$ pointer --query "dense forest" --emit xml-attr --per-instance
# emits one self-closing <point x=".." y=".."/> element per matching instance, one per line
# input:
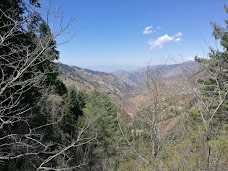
<point x="48" y="125"/>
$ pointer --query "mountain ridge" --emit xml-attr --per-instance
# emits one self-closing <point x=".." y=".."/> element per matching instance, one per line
<point x="120" y="83"/>
<point x="87" y="80"/>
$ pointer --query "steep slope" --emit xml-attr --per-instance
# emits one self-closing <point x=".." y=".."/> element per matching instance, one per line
<point x="186" y="69"/>
<point x="131" y="77"/>
<point x="178" y="81"/>
<point x="137" y="77"/>
<point x="84" y="79"/>
<point x="129" y="85"/>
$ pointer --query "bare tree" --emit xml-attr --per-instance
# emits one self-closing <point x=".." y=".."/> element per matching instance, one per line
<point x="22" y="70"/>
<point x="158" y="112"/>
<point x="152" y="116"/>
<point x="212" y="93"/>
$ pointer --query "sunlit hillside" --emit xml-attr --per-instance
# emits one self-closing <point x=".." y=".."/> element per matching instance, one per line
<point x="113" y="85"/>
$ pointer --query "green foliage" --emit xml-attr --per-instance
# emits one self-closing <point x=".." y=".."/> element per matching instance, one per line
<point x="130" y="165"/>
<point x="103" y="115"/>
<point x="16" y="53"/>
<point x="27" y="72"/>
<point x="189" y="151"/>
<point x="46" y="101"/>
<point x="195" y="115"/>
<point x="74" y="102"/>
<point x="213" y="87"/>
<point x="58" y="87"/>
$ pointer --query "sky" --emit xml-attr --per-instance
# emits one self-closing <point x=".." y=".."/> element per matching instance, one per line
<point x="138" y="32"/>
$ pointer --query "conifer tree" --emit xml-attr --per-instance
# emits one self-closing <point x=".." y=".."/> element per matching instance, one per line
<point x="213" y="86"/>
<point x="27" y="54"/>
<point x="103" y="114"/>
<point x="213" y="89"/>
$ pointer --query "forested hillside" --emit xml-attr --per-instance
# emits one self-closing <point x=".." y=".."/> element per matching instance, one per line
<point x="88" y="80"/>
<point x="55" y="117"/>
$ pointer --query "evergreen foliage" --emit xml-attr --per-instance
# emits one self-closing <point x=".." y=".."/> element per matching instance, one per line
<point x="45" y="125"/>
<point x="27" y="54"/>
<point x="213" y="87"/>
<point x="103" y="114"/>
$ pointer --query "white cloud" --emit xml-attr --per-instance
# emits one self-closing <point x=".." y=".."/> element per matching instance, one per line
<point x="177" y="39"/>
<point x="148" y="30"/>
<point x="159" y="42"/>
<point x="179" y="34"/>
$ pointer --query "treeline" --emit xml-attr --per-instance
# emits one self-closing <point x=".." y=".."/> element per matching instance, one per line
<point x="45" y="125"/>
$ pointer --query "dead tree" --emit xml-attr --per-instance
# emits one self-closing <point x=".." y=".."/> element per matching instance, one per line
<point x="152" y="116"/>
<point x="22" y="70"/>
<point x="212" y="94"/>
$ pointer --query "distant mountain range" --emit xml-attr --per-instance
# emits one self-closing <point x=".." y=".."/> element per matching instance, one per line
<point x="85" y="79"/>
<point x="127" y="89"/>
<point x="185" y="69"/>
<point x="113" y="68"/>
<point x="122" y="82"/>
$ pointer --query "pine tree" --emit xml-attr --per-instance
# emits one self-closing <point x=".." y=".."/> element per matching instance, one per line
<point x="214" y="87"/>
<point x="103" y="115"/>
<point x="213" y="90"/>
<point x="27" y="54"/>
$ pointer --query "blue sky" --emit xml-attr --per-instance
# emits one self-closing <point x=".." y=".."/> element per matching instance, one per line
<point x="134" y="32"/>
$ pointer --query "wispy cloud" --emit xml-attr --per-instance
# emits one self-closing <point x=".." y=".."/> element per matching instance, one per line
<point x="179" y="34"/>
<point x="177" y="39"/>
<point x="148" y="30"/>
<point x="160" y="41"/>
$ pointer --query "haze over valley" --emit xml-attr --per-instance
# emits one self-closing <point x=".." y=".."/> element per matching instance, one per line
<point x="113" y="85"/>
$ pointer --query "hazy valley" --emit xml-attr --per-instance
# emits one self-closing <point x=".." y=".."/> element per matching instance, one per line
<point x="178" y="79"/>
<point x="128" y="89"/>
<point x="113" y="115"/>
